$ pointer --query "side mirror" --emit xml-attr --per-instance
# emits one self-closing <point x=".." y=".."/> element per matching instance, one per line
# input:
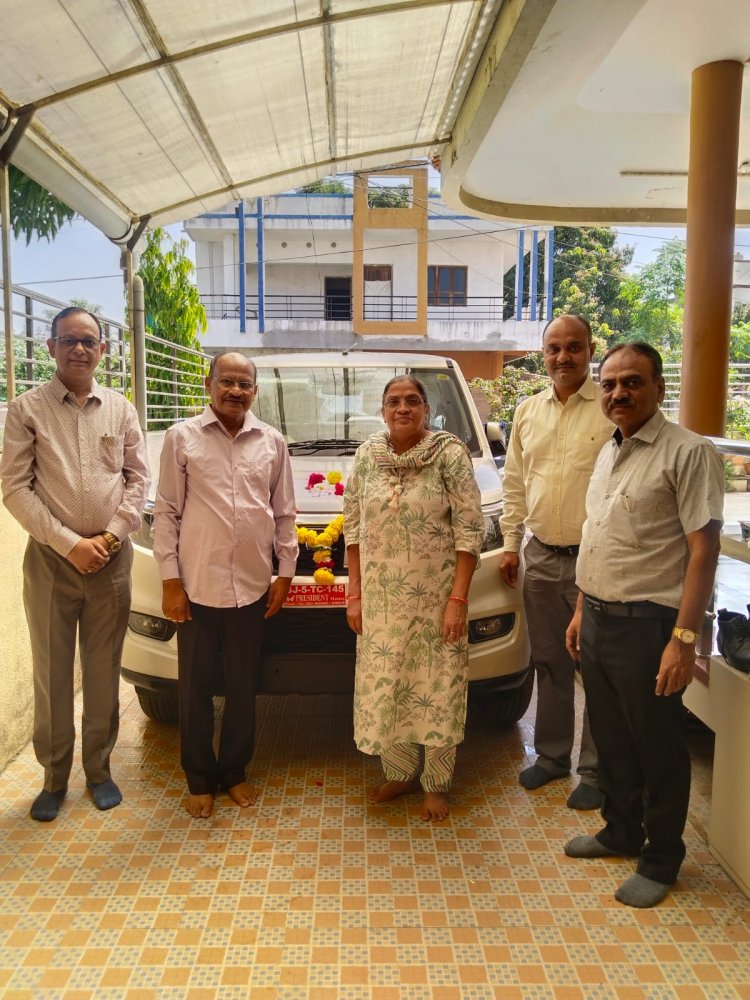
<point x="497" y="441"/>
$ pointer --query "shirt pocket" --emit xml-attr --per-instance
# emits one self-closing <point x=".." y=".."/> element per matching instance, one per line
<point x="633" y="520"/>
<point x="584" y="449"/>
<point x="111" y="449"/>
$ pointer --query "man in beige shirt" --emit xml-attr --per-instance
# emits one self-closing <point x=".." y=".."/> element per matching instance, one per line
<point x="554" y="442"/>
<point x="74" y="475"/>
<point x="648" y="555"/>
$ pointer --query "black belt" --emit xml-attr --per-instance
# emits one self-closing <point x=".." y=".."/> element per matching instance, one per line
<point x="561" y="550"/>
<point x="629" y="609"/>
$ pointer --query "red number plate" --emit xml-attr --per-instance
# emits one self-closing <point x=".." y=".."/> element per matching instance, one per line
<point x="313" y="595"/>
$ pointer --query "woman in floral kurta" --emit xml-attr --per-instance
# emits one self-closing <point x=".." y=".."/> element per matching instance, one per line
<point x="413" y="526"/>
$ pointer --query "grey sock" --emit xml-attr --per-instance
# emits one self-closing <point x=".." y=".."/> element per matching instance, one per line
<point x="641" y="891"/>
<point x="589" y="847"/>
<point x="106" y="794"/>
<point x="46" y="805"/>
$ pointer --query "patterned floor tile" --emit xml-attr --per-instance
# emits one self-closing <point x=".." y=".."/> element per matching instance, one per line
<point x="316" y="895"/>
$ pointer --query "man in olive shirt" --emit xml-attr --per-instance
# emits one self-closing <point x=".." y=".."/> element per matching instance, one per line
<point x="645" y="571"/>
<point x="556" y="437"/>
<point x="74" y="475"/>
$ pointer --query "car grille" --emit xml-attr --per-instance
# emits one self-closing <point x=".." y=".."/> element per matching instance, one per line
<point x="308" y="630"/>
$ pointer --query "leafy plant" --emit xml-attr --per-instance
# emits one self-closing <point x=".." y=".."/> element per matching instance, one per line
<point x="34" y="211"/>
<point x="174" y="312"/>
<point x="506" y="392"/>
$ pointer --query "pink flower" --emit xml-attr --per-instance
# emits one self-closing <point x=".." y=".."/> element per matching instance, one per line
<point x="315" y="478"/>
<point x="338" y="489"/>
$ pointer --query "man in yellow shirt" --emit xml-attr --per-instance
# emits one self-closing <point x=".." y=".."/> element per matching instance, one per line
<point x="554" y="443"/>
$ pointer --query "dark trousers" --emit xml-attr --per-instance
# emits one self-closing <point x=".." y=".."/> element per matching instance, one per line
<point x="549" y="598"/>
<point x="62" y="603"/>
<point x="644" y="764"/>
<point x="233" y="636"/>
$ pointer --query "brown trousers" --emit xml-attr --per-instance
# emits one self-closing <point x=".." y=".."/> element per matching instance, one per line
<point x="60" y="604"/>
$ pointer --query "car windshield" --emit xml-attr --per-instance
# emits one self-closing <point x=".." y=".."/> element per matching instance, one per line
<point x="339" y="407"/>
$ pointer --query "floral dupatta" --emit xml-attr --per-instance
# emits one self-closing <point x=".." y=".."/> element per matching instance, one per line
<point x="423" y="453"/>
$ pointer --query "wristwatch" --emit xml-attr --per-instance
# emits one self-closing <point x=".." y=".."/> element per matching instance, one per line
<point x="685" y="635"/>
<point x="113" y="543"/>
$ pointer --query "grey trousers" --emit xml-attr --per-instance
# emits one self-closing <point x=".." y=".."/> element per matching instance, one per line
<point x="60" y="603"/>
<point x="549" y="597"/>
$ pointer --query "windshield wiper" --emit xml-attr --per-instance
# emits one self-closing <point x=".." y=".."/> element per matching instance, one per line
<point x="323" y="444"/>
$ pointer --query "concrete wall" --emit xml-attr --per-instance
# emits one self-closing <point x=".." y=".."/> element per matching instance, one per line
<point x="16" y="687"/>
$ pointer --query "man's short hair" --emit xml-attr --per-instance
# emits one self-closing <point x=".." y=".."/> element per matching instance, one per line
<point x="640" y="347"/>
<point x="224" y="354"/>
<point x="71" y="311"/>
<point x="581" y="319"/>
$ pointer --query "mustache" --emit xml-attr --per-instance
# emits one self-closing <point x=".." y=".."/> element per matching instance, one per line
<point x="618" y="402"/>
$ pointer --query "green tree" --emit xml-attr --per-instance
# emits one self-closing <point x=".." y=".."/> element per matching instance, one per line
<point x="174" y="310"/>
<point x="657" y="298"/>
<point x="34" y="211"/>
<point x="739" y="342"/>
<point x="588" y="279"/>
<point x="175" y="314"/>
<point x="326" y="185"/>
<point x="589" y="275"/>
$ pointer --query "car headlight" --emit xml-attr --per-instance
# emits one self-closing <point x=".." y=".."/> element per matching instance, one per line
<point x="493" y="536"/>
<point x="151" y="626"/>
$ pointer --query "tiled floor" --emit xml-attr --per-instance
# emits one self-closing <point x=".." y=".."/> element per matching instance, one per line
<point x="315" y="894"/>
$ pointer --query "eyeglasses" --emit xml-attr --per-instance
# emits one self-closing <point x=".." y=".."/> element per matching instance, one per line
<point x="391" y="402"/>
<point x="70" y="343"/>
<point x="230" y="383"/>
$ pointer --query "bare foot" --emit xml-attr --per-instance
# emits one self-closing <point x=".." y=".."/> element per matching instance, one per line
<point x="435" y="807"/>
<point x="392" y="789"/>
<point x="200" y="806"/>
<point x="243" y="794"/>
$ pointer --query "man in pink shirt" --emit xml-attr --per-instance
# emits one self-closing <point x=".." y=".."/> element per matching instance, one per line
<point x="224" y="506"/>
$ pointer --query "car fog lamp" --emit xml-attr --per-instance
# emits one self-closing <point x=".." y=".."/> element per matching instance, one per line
<point x="151" y="626"/>
<point x="484" y="629"/>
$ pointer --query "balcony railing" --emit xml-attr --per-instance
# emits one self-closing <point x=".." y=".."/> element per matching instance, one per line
<point x="335" y="306"/>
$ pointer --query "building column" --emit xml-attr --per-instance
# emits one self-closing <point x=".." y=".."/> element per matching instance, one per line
<point x="534" y="274"/>
<point x="519" y="277"/>
<point x="712" y="195"/>
<point x="549" y="275"/>
<point x="241" y="272"/>
<point x="261" y="267"/>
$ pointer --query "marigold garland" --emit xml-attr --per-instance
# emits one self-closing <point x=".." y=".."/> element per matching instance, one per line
<point x="323" y="541"/>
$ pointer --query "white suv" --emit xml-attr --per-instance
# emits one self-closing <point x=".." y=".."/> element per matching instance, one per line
<point x="325" y="405"/>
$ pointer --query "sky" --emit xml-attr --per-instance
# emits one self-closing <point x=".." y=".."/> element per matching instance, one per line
<point x="81" y="263"/>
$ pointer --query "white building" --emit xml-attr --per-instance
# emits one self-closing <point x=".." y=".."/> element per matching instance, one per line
<point x="289" y="258"/>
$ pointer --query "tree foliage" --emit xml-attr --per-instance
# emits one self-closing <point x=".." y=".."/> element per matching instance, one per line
<point x="657" y="298"/>
<point x="34" y="211"/>
<point x="326" y="185"/>
<point x="175" y="313"/>
<point x="589" y="275"/>
<point x="174" y="310"/>
<point x="506" y="392"/>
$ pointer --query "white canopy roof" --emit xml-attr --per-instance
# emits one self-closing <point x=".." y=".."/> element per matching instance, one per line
<point x="579" y="112"/>
<point x="157" y="110"/>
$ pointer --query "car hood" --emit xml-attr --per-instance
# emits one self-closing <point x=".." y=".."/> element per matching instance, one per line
<point x="320" y="499"/>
